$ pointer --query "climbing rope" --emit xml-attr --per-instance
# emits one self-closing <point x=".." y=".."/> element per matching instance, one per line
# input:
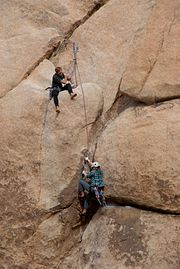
<point x="76" y="72"/>
<point x="75" y="51"/>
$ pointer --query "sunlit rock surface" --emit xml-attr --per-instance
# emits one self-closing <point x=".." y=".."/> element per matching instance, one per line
<point x="139" y="152"/>
<point x="125" y="48"/>
<point x="126" y="238"/>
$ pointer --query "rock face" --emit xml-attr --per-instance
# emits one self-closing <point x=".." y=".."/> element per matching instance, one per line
<point x="138" y="146"/>
<point x="64" y="139"/>
<point x="140" y="56"/>
<point x="152" y="73"/>
<point x="38" y="41"/>
<point x="38" y="163"/>
<point x="106" y="41"/>
<point x="121" y="238"/>
<point x="32" y="27"/>
<point x="142" y="164"/>
<point x="21" y="127"/>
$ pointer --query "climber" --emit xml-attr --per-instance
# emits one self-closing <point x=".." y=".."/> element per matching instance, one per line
<point x="60" y="82"/>
<point x="95" y="184"/>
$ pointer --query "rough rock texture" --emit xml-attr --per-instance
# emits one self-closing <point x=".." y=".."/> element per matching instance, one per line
<point x="39" y="155"/>
<point x="28" y="15"/>
<point x="32" y="26"/>
<point x="106" y="41"/>
<point x="122" y="238"/>
<point x="138" y="146"/>
<point x="152" y="73"/>
<point x="142" y="164"/>
<point x="21" y="127"/>
<point x="64" y="139"/>
<point x="16" y="56"/>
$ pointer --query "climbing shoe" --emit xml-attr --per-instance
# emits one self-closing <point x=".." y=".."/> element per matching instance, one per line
<point x="73" y="95"/>
<point x="57" y="110"/>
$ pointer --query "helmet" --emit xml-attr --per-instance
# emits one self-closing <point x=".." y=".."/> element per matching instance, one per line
<point x="95" y="165"/>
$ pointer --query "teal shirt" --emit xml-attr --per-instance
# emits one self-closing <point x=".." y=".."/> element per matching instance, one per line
<point x="96" y="178"/>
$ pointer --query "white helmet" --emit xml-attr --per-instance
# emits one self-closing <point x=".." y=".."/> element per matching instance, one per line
<point x="95" y="165"/>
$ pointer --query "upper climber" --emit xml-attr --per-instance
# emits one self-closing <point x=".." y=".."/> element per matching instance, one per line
<point x="60" y="82"/>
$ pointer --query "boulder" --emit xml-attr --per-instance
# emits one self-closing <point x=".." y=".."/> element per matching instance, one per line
<point x="139" y="152"/>
<point x="127" y="238"/>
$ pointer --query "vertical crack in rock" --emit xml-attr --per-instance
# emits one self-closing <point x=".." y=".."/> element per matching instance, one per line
<point x="119" y="88"/>
<point x="52" y="45"/>
<point x="120" y="103"/>
<point x="167" y="31"/>
<point x="56" y="45"/>
<point x="63" y="44"/>
<point x="152" y="65"/>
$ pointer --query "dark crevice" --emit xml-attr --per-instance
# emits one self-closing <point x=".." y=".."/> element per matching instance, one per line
<point x="113" y="202"/>
<point x="58" y="208"/>
<point x="123" y="202"/>
<point x="120" y="104"/>
<point x="99" y="114"/>
<point x="62" y="46"/>
<point x="57" y="45"/>
<point x="160" y="101"/>
<point x="94" y="152"/>
<point x="53" y="43"/>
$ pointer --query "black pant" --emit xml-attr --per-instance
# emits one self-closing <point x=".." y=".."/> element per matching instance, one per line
<point x="56" y="91"/>
<point x="68" y="88"/>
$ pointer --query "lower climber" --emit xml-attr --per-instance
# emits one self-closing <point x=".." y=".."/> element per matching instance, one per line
<point x="95" y="180"/>
<point x="60" y="82"/>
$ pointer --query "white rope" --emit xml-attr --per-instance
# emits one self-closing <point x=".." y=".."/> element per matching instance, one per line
<point x="76" y="72"/>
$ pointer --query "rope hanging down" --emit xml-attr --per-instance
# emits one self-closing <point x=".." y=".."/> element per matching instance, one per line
<point x="76" y="72"/>
<point x="75" y="51"/>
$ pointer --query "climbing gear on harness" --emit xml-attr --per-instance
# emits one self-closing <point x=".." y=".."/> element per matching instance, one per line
<point x="96" y="193"/>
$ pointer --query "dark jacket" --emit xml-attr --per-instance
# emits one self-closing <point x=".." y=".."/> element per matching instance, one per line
<point x="56" y="80"/>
